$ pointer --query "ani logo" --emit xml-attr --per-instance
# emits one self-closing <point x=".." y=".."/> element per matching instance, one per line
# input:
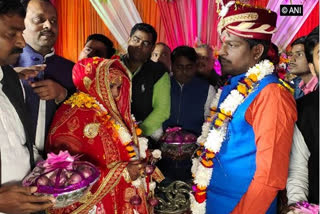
<point x="291" y="10"/>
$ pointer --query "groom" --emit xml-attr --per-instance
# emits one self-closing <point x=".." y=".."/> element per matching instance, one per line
<point x="244" y="157"/>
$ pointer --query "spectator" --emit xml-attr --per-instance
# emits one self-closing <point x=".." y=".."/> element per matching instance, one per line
<point x="97" y="45"/>
<point x="302" y="185"/>
<point x="16" y="147"/>
<point x="205" y="66"/>
<point x="191" y="96"/>
<point x="305" y="82"/>
<point x="161" y="53"/>
<point x="150" y="82"/>
<point x="44" y="92"/>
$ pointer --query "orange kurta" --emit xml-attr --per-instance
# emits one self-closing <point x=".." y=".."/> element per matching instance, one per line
<point x="272" y="120"/>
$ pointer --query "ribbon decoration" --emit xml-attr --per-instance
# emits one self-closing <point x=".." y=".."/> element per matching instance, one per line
<point x="63" y="160"/>
<point x="174" y="129"/>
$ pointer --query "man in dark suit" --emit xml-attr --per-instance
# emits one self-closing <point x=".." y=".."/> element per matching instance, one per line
<point x="50" y="87"/>
<point x="16" y="141"/>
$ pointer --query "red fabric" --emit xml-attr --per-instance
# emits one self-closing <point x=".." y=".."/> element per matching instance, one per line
<point x="264" y="17"/>
<point x="176" y="15"/>
<point x="87" y="68"/>
<point x="69" y="131"/>
<point x="259" y="3"/>
<point x="209" y="23"/>
<point x="172" y="23"/>
<point x="272" y="115"/>
<point x="311" y="22"/>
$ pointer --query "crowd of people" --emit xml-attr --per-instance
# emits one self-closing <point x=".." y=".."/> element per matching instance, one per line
<point x="255" y="137"/>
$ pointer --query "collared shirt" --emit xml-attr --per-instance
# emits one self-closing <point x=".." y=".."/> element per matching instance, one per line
<point x="310" y="86"/>
<point x="298" y="183"/>
<point x="14" y="154"/>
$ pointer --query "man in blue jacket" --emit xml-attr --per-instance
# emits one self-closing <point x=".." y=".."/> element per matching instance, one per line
<point x="44" y="92"/>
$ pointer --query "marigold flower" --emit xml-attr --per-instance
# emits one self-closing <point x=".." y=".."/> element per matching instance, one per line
<point x="201" y="188"/>
<point x="218" y="122"/>
<point x="206" y="163"/>
<point x="213" y="109"/>
<point x="129" y="148"/>
<point x="226" y="113"/>
<point x="132" y="154"/>
<point x="210" y="155"/>
<point x="253" y="77"/>
<point x="242" y="89"/>
<point x="248" y="82"/>
<point x="222" y="116"/>
<point x="138" y="131"/>
<point x="209" y="119"/>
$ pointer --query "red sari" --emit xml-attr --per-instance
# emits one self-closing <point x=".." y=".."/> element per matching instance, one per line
<point x="83" y="126"/>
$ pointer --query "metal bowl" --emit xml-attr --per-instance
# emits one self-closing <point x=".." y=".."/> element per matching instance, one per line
<point x="68" y="198"/>
<point x="178" y="150"/>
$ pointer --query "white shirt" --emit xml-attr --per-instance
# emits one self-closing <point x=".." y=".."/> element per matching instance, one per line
<point x="211" y="95"/>
<point x="15" y="158"/>
<point x="41" y="122"/>
<point x="297" y="183"/>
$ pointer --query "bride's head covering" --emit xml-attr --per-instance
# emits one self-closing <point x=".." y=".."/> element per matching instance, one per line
<point x="94" y="77"/>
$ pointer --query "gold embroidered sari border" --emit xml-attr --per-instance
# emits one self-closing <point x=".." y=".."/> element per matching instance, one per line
<point x="108" y="183"/>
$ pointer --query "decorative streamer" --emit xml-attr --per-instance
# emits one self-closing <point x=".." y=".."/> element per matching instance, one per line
<point x="119" y="17"/>
<point x="288" y="26"/>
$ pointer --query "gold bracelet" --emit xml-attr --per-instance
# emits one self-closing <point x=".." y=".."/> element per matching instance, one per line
<point x="126" y="175"/>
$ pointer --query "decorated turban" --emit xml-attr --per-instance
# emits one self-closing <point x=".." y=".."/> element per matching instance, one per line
<point x="247" y="21"/>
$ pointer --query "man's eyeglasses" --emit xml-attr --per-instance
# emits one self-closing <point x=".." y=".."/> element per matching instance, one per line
<point x="137" y="40"/>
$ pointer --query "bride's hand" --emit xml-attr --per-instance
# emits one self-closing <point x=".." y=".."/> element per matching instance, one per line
<point x="136" y="169"/>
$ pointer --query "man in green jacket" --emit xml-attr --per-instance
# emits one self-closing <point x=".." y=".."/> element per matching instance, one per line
<point x="150" y="81"/>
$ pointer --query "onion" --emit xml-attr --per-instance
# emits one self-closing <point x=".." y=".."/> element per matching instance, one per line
<point x="153" y="201"/>
<point x="74" y="178"/>
<point x="62" y="179"/>
<point x="43" y="181"/>
<point x="169" y="138"/>
<point x="189" y="138"/>
<point x="149" y="169"/>
<point x="135" y="200"/>
<point x="86" y="172"/>
<point x="178" y="138"/>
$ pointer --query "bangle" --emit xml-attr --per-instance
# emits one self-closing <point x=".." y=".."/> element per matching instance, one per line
<point x="126" y="175"/>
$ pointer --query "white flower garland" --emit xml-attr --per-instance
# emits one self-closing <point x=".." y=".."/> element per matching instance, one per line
<point x="212" y="139"/>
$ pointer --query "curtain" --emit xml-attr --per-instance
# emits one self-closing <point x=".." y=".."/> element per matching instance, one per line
<point x="179" y="20"/>
<point x="77" y="20"/>
<point x="288" y="26"/>
<point x="207" y="22"/>
<point x="119" y="17"/>
<point x="311" y="22"/>
<point x="150" y="14"/>
<point x="192" y="22"/>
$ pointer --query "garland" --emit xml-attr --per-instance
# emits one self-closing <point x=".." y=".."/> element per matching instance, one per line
<point x="214" y="131"/>
<point x="83" y="100"/>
